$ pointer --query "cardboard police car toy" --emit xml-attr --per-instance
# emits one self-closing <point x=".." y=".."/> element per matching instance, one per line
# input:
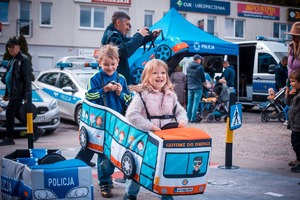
<point x="42" y="174"/>
<point x="168" y="162"/>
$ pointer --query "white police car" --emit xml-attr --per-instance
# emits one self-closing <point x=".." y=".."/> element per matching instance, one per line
<point x="47" y="111"/>
<point x="67" y="82"/>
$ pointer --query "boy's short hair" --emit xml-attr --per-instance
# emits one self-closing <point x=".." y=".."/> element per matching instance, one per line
<point x="108" y="50"/>
<point x="295" y="74"/>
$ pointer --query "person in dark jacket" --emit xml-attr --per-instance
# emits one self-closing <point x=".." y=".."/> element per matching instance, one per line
<point x="293" y="99"/>
<point x="229" y="75"/>
<point x="195" y="80"/>
<point x="116" y="32"/>
<point x="17" y="79"/>
<point x="281" y="73"/>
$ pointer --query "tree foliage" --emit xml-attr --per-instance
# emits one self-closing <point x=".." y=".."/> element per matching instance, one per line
<point x="23" y="47"/>
<point x="288" y="3"/>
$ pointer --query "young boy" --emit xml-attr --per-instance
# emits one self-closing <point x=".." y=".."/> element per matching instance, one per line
<point x="293" y="98"/>
<point x="107" y="88"/>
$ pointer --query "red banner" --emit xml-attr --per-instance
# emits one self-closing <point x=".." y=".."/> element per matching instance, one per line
<point x="117" y="2"/>
<point x="258" y="11"/>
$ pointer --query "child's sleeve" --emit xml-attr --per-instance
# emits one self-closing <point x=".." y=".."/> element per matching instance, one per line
<point x="126" y="95"/>
<point x="95" y="91"/>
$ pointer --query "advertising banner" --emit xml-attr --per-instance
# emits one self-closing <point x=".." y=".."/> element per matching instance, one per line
<point x="258" y="11"/>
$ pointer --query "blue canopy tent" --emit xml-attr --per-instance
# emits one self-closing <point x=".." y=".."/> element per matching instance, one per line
<point x="199" y="41"/>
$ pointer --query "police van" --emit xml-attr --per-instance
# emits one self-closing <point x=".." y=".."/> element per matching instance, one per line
<point x="255" y="67"/>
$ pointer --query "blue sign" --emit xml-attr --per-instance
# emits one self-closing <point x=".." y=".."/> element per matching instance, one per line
<point x="235" y="116"/>
<point x="205" y="6"/>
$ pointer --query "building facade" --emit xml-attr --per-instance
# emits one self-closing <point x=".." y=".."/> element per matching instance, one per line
<point x="54" y="29"/>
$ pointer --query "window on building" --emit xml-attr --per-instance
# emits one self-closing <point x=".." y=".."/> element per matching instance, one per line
<point x="234" y="28"/>
<point x="92" y="17"/>
<point x="280" y="29"/>
<point x="24" y="23"/>
<point x="211" y="25"/>
<point x="46" y="13"/>
<point x="148" y="18"/>
<point x="4" y="11"/>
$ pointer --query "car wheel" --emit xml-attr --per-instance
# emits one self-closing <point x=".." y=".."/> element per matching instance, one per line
<point x="281" y="117"/>
<point x="77" y="114"/>
<point x="136" y="75"/>
<point x="128" y="165"/>
<point x="83" y="137"/>
<point x="163" y="52"/>
<point x="210" y="118"/>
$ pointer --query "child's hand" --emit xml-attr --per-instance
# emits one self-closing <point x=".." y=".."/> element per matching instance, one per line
<point x="119" y="89"/>
<point x="5" y="98"/>
<point x="110" y="87"/>
<point x="292" y="91"/>
<point x="181" y="124"/>
<point x="155" y="128"/>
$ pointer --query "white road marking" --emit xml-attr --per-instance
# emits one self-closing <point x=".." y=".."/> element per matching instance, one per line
<point x="274" y="194"/>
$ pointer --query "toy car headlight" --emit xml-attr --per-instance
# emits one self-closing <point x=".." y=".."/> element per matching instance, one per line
<point x="44" y="194"/>
<point x="78" y="192"/>
<point x="53" y="105"/>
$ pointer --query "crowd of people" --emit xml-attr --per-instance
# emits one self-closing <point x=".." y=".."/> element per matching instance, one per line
<point x="157" y="95"/>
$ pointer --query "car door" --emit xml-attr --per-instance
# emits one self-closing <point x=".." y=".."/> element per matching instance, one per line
<point x="67" y="95"/>
<point x="262" y="79"/>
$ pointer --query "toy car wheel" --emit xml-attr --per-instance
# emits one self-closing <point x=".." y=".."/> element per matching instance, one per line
<point x="281" y="117"/>
<point x="128" y="165"/>
<point x="210" y="118"/>
<point x="83" y="137"/>
<point x="136" y="75"/>
<point x="52" y="158"/>
<point x="163" y="52"/>
<point x="77" y="114"/>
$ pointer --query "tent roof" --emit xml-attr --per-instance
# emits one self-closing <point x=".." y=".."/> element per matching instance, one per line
<point x="199" y="41"/>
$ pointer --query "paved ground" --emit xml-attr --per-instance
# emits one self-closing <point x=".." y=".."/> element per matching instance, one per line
<point x="261" y="152"/>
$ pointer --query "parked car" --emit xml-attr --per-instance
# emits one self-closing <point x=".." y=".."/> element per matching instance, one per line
<point x="67" y="82"/>
<point x="47" y="111"/>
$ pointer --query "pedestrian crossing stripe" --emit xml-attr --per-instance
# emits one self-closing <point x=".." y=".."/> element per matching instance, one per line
<point x="235" y="116"/>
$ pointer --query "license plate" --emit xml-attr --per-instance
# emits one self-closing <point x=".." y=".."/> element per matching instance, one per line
<point x="39" y="119"/>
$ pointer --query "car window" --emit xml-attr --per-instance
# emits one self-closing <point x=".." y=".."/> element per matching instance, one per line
<point x="49" y="78"/>
<point x="64" y="81"/>
<point x="83" y="78"/>
<point x="264" y="60"/>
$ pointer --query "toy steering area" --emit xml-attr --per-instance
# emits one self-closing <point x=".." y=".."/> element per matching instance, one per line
<point x="169" y="162"/>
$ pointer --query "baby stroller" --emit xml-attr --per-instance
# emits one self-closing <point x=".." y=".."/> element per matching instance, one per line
<point x="273" y="109"/>
<point x="215" y="107"/>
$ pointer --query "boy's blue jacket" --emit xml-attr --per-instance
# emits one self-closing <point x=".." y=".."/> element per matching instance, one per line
<point x="96" y="92"/>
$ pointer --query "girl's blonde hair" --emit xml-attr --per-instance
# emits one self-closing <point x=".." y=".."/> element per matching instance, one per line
<point x="110" y="51"/>
<point x="149" y="68"/>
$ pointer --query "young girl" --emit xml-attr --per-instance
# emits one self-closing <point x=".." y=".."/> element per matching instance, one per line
<point x="154" y="97"/>
<point x="294" y="117"/>
<point x="107" y="88"/>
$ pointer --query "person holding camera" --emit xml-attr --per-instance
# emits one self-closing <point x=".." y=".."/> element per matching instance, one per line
<point x="108" y="88"/>
<point x="116" y="33"/>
